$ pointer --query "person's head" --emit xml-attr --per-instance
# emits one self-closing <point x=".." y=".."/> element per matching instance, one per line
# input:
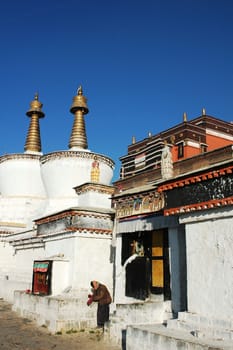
<point x="94" y="284"/>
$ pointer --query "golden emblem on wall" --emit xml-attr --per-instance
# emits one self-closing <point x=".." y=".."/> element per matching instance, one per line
<point x="95" y="170"/>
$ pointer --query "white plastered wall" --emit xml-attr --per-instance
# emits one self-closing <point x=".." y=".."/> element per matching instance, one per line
<point x="209" y="243"/>
<point x="16" y="269"/>
<point x="92" y="261"/>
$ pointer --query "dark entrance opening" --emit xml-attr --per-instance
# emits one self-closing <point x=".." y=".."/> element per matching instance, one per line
<point x="146" y="257"/>
<point x="137" y="278"/>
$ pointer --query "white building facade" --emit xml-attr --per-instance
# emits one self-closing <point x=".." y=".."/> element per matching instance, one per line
<point x="56" y="225"/>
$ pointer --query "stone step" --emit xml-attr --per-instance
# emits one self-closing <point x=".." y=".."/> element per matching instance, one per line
<point x="157" y="336"/>
<point x="194" y="326"/>
<point x="196" y="319"/>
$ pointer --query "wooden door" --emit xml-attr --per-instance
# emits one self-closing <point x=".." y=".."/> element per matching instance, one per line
<point x="160" y="274"/>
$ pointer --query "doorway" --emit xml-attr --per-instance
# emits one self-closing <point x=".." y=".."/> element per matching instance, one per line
<point x="148" y="272"/>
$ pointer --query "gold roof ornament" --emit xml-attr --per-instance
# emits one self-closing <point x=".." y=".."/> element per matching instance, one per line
<point x="185" y="117"/>
<point x="133" y="139"/>
<point x="203" y="111"/>
<point x="78" y="138"/>
<point x="33" y="141"/>
<point x="172" y="139"/>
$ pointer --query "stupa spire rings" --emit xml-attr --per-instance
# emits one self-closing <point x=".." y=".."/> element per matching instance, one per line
<point x="78" y="138"/>
<point x="33" y="141"/>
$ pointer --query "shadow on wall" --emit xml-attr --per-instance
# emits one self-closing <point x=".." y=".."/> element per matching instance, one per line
<point x="123" y="339"/>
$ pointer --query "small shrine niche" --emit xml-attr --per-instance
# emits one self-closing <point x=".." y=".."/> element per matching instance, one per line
<point x="41" y="283"/>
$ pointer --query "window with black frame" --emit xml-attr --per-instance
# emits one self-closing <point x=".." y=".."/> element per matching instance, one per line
<point x="180" y="148"/>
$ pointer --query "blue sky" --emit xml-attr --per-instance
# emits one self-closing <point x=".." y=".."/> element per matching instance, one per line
<point x="141" y="65"/>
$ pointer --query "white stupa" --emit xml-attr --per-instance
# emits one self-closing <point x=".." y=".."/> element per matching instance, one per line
<point x="22" y="191"/>
<point x="33" y="185"/>
<point x="64" y="170"/>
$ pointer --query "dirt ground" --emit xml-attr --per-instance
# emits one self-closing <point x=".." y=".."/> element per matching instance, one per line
<point x="18" y="333"/>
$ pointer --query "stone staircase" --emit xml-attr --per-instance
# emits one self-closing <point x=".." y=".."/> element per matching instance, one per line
<point x="202" y="327"/>
<point x="159" y="337"/>
<point x="188" y="332"/>
<point x="136" y="313"/>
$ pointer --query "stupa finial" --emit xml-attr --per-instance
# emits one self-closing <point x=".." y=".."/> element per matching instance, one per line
<point x="78" y="138"/>
<point x="80" y="90"/>
<point x="33" y="142"/>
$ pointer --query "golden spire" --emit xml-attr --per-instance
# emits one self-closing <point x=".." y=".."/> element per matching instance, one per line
<point x="203" y="111"/>
<point x="33" y="143"/>
<point x="79" y="107"/>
